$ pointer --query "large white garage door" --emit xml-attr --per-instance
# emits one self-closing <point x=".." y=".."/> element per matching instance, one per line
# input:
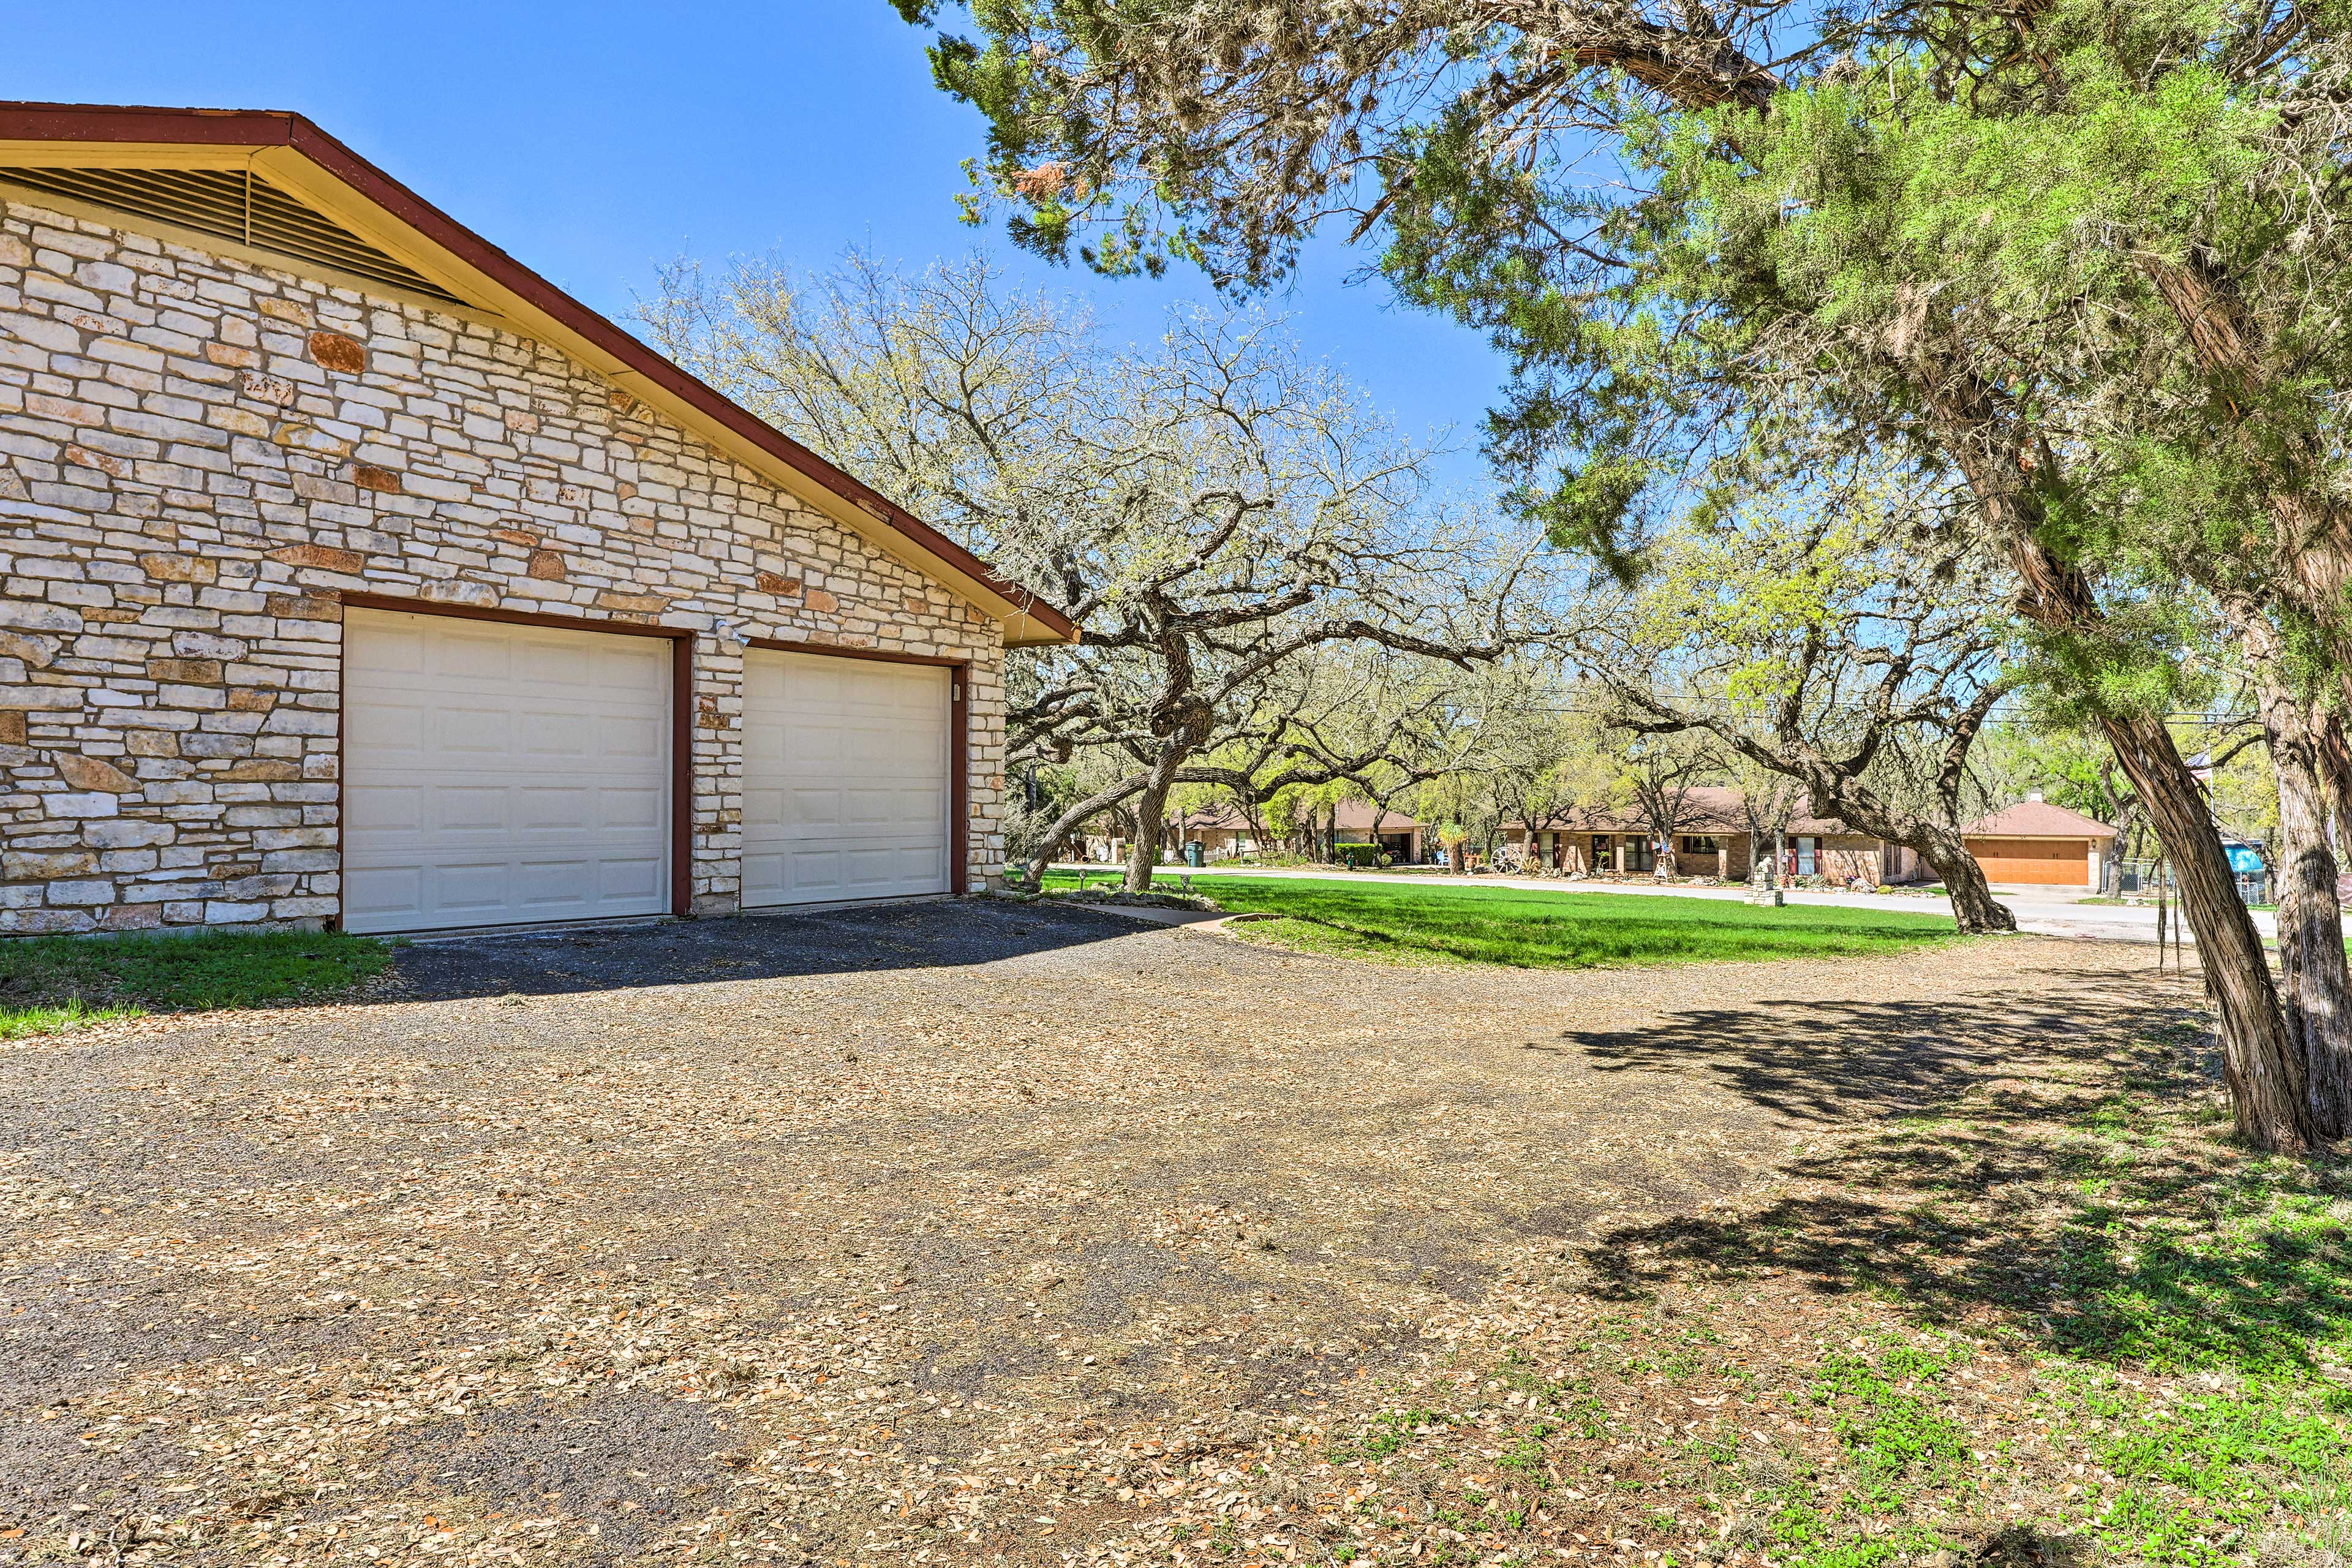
<point x="845" y="778"/>
<point x="495" y="775"/>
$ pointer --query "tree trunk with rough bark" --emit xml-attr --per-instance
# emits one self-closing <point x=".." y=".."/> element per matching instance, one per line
<point x="1152" y="808"/>
<point x="2313" y="982"/>
<point x="1069" y="822"/>
<point x="1974" y="909"/>
<point x="2260" y="1058"/>
<point x="2335" y="769"/>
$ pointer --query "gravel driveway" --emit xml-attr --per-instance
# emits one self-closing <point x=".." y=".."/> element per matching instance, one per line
<point x="949" y="1232"/>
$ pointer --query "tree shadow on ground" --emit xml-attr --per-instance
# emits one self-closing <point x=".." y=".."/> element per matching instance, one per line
<point x="2071" y="1180"/>
<point x="1834" y="1062"/>
<point x="929" y="934"/>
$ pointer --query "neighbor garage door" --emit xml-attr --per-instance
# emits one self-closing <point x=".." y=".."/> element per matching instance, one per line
<point x="2045" y="862"/>
<point x="496" y="774"/>
<point x="845" y="778"/>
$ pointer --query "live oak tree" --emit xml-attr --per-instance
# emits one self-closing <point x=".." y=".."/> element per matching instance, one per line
<point x="1841" y="632"/>
<point x="1384" y="722"/>
<point x="1676" y="216"/>
<point x="1211" y="511"/>
<point x="1769" y="801"/>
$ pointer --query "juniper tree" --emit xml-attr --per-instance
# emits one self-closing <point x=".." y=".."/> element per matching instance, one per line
<point x="1551" y="762"/>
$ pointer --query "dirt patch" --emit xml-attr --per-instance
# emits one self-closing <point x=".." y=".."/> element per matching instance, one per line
<point x="628" y="1466"/>
<point x="978" y="1230"/>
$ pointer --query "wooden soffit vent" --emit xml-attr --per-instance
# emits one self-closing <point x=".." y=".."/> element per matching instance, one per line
<point x="235" y="204"/>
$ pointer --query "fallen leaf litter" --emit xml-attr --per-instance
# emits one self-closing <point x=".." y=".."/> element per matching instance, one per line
<point x="953" y="1233"/>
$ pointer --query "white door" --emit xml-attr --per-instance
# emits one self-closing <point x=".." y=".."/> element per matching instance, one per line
<point x="495" y="775"/>
<point x="845" y="778"/>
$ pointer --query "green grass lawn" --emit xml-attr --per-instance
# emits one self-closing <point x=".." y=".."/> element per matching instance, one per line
<point x="1436" y="922"/>
<point x="48" y="984"/>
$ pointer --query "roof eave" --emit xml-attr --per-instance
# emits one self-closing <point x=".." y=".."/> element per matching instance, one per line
<point x="298" y="154"/>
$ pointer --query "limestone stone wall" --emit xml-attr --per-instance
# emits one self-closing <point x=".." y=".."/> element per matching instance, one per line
<point x="198" y="458"/>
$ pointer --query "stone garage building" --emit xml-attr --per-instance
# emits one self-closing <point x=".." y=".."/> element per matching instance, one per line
<point x="355" y="576"/>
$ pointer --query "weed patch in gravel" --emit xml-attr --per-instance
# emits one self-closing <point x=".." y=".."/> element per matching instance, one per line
<point x="2063" y="1319"/>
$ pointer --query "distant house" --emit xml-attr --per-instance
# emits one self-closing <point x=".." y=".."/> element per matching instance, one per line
<point x="1711" y="838"/>
<point x="1402" y="837"/>
<point x="1223" y="831"/>
<point x="2034" y="843"/>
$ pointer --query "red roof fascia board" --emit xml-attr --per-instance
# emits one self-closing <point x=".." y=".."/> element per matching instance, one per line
<point x="130" y="122"/>
<point x="280" y="128"/>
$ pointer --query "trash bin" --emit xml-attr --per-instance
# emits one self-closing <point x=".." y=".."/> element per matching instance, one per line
<point x="1195" y="852"/>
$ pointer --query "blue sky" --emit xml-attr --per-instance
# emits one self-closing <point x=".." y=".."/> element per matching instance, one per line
<point x="594" y="142"/>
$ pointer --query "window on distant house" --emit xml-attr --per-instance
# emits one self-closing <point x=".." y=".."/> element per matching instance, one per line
<point x="1697" y="844"/>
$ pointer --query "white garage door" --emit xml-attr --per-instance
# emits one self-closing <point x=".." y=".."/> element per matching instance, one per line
<point x="495" y="775"/>
<point x="845" y="778"/>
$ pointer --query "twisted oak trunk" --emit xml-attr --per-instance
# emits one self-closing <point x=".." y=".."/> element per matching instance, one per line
<point x="1974" y="909"/>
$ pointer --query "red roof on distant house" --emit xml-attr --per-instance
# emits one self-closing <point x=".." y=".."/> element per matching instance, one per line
<point x="2037" y="819"/>
<point x="1355" y="816"/>
<point x="1705" y="809"/>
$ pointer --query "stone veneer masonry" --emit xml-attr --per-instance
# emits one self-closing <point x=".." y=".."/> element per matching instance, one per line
<point x="197" y="456"/>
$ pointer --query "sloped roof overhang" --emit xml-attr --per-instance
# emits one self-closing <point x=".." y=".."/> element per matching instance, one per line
<point x="295" y="156"/>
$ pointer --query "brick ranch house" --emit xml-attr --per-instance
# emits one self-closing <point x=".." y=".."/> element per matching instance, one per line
<point x="1405" y="838"/>
<point x="1711" y="839"/>
<point x="356" y="575"/>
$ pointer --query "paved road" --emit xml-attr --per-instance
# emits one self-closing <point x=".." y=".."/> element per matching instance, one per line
<point x="2040" y="911"/>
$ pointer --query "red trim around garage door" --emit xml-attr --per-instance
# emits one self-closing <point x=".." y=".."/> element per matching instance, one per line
<point x="681" y="714"/>
<point x="958" y="739"/>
